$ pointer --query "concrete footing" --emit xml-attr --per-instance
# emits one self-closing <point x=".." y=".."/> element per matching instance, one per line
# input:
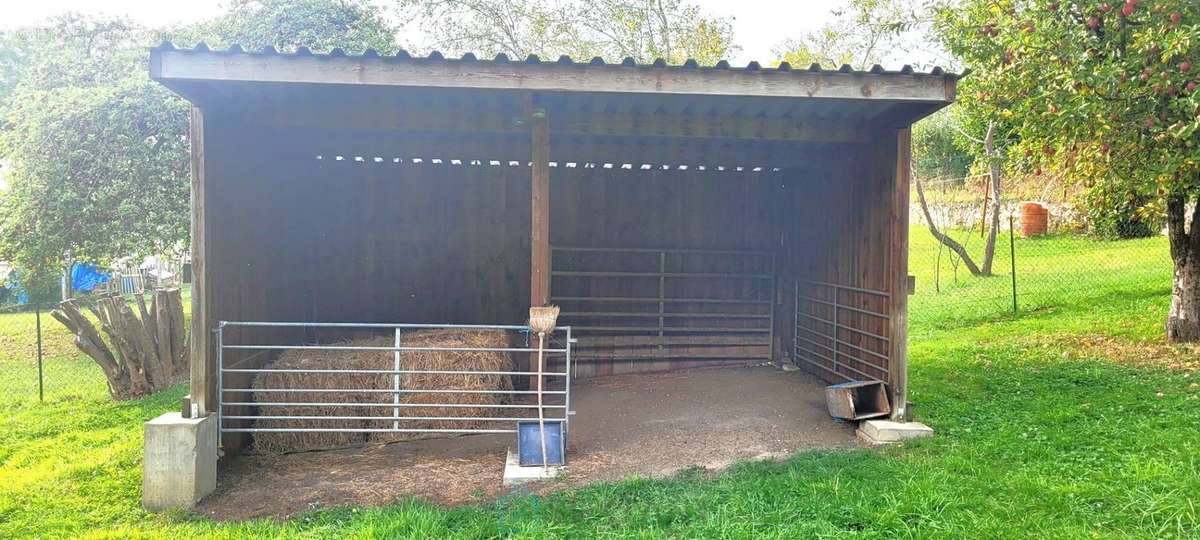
<point x="180" y="461"/>
<point x="515" y="474"/>
<point x="887" y="431"/>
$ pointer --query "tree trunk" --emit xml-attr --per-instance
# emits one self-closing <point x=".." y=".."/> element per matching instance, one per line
<point x="141" y="355"/>
<point x="1183" y="319"/>
<point x="989" y="249"/>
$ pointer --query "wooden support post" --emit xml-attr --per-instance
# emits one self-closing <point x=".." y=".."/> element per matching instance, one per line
<point x="539" y="230"/>
<point x="898" y="277"/>
<point x="202" y="376"/>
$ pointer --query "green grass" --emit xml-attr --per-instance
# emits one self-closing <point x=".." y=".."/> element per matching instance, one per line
<point x="1032" y="441"/>
<point x="67" y="374"/>
<point x="1051" y="271"/>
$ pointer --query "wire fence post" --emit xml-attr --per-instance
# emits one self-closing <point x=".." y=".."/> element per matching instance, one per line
<point x="37" y="316"/>
<point x="1012" y="257"/>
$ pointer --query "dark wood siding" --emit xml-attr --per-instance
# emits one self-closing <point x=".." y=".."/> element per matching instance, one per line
<point x="363" y="239"/>
<point x="844" y="248"/>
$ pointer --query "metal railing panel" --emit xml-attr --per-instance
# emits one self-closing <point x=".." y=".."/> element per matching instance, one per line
<point x="813" y="332"/>
<point x="355" y="397"/>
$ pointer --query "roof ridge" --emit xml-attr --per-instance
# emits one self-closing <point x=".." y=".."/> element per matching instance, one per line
<point x="563" y="60"/>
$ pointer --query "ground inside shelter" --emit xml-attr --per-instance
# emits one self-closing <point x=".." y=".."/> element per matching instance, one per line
<point x="626" y="425"/>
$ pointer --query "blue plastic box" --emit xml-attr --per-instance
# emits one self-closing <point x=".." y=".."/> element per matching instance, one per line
<point x="529" y="444"/>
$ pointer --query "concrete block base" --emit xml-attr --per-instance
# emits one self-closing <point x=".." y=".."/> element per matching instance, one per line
<point x="180" y="461"/>
<point x="887" y="431"/>
<point x="515" y="474"/>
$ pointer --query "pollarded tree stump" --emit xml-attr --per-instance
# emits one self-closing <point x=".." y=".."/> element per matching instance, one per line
<point x="144" y="353"/>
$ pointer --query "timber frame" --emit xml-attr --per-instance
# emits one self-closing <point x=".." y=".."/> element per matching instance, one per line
<point x="807" y="166"/>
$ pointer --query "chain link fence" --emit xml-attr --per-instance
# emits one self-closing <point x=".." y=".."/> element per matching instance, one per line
<point x="1050" y="274"/>
<point x="1041" y="264"/>
<point x="39" y="361"/>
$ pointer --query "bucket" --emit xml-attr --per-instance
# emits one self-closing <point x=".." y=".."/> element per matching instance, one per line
<point x="1035" y="219"/>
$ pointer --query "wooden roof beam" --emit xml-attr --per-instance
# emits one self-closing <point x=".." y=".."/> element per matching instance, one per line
<point x="631" y="123"/>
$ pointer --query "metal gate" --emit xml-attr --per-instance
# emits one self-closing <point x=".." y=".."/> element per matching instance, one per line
<point x="842" y="330"/>
<point x="240" y="412"/>
<point x="645" y="309"/>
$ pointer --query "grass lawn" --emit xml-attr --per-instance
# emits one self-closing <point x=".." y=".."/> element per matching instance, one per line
<point x="67" y="374"/>
<point x="1064" y="422"/>
<point x="1059" y="270"/>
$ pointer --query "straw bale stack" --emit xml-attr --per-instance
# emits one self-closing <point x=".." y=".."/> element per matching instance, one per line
<point x="275" y="442"/>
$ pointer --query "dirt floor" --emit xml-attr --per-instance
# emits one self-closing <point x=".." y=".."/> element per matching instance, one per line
<point x="648" y="425"/>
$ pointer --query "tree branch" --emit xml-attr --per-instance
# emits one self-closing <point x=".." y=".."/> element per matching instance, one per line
<point x="954" y="246"/>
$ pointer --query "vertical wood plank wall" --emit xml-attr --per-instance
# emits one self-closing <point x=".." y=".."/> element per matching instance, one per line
<point x="848" y="237"/>
<point x="708" y="210"/>
<point x="293" y="238"/>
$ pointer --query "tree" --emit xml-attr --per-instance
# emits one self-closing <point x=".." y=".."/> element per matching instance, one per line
<point x="98" y="153"/>
<point x="1107" y="95"/>
<point x="994" y="157"/>
<point x="863" y="33"/>
<point x="645" y="30"/>
<point x="939" y="150"/>
<point x="321" y="25"/>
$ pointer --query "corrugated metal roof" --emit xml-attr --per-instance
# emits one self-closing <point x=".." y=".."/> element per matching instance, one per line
<point x="628" y="62"/>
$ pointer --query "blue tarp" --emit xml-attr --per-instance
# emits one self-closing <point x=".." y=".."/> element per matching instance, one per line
<point x="85" y="277"/>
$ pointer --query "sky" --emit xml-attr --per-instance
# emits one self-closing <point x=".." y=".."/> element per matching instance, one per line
<point x="759" y="25"/>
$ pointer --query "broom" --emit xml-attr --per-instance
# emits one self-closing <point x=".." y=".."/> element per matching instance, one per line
<point x="542" y="320"/>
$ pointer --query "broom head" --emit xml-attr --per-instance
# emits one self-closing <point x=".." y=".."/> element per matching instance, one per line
<point x="542" y="319"/>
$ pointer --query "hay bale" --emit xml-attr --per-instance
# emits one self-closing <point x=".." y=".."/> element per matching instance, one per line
<point x="275" y="442"/>
<point x="383" y="360"/>
<point x="450" y="361"/>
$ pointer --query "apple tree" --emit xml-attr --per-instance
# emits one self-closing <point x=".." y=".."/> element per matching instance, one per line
<point x="1105" y="93"/>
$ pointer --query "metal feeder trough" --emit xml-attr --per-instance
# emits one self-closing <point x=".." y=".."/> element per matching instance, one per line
<point x="857" y="400"/>
<point x="529" y="444"/>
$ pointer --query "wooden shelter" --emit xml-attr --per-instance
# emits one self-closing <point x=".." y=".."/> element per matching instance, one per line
<point x="680" y="215"/>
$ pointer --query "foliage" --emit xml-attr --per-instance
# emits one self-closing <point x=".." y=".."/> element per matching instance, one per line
<point x="1107" y="97"/>
<point x="321" y="25"/>
<point x="1105" y="94"/>
<point x="646" y="30"/>
<point x="33" y="288"/>
<point x="1037" y="432"/>
<point x="863" y="33"/>
<point x="939" y="151"/>
<point x="1121" y="217"/>
<point x="98" y="152"/>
